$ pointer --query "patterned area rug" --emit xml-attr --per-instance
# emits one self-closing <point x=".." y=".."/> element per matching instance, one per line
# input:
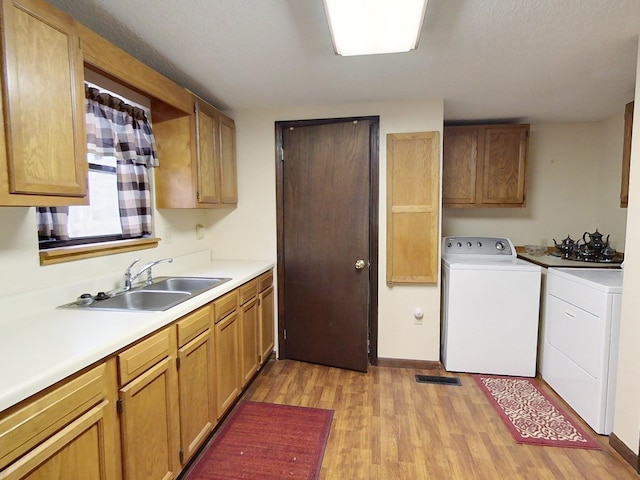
<point x="265" y="441"/>
<point x="531" y="416"/>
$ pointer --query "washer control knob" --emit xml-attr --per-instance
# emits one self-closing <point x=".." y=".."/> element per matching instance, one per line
<point x="500" y="246"/>
<point x="459" y="244"/>
<point x="479" y="244"/>
<point x="448" y="244"/>
<point x="469" y="244"/>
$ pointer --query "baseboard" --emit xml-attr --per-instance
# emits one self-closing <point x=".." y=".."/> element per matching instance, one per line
<point x="625" y="452"/>
<point x="404" y="363"/>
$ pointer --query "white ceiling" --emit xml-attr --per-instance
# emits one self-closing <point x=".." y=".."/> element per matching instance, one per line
<point x="525" y="60"/>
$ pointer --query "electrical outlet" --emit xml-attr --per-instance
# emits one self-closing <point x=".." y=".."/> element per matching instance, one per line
<point x="166" y="237"/>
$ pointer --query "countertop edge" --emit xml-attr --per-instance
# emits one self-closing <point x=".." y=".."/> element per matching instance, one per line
<point x="37" y="363"/>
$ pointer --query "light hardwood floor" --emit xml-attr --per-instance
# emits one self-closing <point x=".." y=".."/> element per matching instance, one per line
<point x="386" y="426"/>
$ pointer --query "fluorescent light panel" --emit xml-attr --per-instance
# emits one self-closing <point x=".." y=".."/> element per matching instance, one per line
<point x="366" y="27"/>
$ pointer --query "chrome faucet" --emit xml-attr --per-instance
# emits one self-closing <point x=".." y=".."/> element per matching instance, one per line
<point x="129" y="278"/>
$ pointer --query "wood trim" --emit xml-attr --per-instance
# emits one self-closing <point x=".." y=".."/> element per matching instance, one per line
<point x="106" y="57"/>
<point x="625" y="452"/>
<point x="69" y="254"/>
<point x="626" y="154"/>
<point x="406" y="363"/>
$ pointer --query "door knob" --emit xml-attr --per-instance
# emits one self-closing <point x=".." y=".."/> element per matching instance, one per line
<point x="359" y="264"/>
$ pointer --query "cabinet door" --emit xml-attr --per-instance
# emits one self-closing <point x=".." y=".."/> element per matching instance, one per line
<point x="266" y="324"/>
<point x="460" y="165"/>
<point x="197" y="394"/>
<point x="227" y="362"/>
<point x="503" y="176"/>
<point x="413" y="207"/>
<point x="249" y="340"/>
<point x="149" y="424"/>
<point x="228" y="180"/>
<point x="44" y="101"/>
<point x="81" y="450"/>
<point x="208" y="155"/>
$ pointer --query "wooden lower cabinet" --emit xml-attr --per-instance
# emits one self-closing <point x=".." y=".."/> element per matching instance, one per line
<point x="149" y="411"/>
<point x="80" y="444"/>
<point x="228" y="381"/>
<point x="196" y="375"/>
<point x="249" y="345"/>
<point x="72" y="428"/>
<point x="143" y="413"/>
<point x="266" y="324"/>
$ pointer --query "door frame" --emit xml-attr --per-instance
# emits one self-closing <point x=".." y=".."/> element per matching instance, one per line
<point x="374" y="188"/>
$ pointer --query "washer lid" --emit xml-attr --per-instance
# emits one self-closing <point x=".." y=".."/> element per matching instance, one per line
<point x="603" y="279"/>
<point x="467" y="262"/>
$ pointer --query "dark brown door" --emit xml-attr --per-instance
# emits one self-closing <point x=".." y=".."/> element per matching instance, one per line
<point x="325" y="242"/>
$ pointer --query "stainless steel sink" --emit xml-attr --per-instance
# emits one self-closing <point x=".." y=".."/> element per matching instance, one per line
<point x="141" y="300"/>
<point x="162" y="294"/>
<point x="193" y="285"/>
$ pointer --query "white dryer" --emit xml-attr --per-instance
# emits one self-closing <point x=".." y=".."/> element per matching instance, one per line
<point x="582" y="330"/>
<point x="490" y="307"/>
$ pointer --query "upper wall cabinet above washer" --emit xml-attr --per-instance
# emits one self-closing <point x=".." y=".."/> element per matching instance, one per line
<point x="43" y="135"/>
<point x="484" y="165"/>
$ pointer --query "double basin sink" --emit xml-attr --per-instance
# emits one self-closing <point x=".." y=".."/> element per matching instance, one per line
<point x="162" y="294"/>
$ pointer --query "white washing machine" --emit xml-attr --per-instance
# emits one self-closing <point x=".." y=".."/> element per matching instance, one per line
<point x="490" y="307"/>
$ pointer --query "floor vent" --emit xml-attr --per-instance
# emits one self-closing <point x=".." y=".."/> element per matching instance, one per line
<point x="438" y="380"/>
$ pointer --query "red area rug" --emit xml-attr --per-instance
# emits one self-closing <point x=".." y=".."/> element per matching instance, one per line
<point x="531" y="416"/>
<point x="265" y="441"/>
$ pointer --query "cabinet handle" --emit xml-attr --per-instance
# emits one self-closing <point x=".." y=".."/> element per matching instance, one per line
<point x="569" y="314"/>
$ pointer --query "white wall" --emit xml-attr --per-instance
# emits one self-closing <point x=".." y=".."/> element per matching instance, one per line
<point x="573" y="186"/>
<point x="250" y="232"/>
<point x="20" y="264"/>
<point x="626" y="424"/>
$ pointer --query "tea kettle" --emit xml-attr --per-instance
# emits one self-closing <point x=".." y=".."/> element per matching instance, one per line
<point x="595" y="242"/>
<point x="567" y="247"/>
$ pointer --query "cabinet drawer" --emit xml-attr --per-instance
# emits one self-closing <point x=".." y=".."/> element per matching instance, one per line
<point x="192" y="325"/>
<point x="248" y="291"/>
<point x="265" y="280"/>
<point x="37" y="420"/>
<point x="225" y="305"/>
<point x="142" y="356"/>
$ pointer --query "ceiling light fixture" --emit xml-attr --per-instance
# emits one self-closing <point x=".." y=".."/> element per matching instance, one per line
<point x="366" y="27"/>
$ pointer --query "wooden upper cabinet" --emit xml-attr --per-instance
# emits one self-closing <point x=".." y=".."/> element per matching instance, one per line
<point x="43" y="118"/>
<point x="626" y="154"/>
<point x="228" y="169"/>
<point x="412" y="207"/>
<point x="197" y="160"/>
<point x="460" y="148"/>
<point x="208" y="153"/>
<point x="484" y="165"/>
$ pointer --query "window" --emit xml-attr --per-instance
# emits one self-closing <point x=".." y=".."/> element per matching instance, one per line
<point x="121" y="149"/>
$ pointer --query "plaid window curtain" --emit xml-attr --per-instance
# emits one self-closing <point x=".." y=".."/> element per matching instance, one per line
<point x="117" y="129"/>
<point x="52" y="222"/>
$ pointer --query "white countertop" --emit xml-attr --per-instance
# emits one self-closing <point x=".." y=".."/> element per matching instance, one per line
<point x="553" y="261"/>
<point x="40" y="348"/>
